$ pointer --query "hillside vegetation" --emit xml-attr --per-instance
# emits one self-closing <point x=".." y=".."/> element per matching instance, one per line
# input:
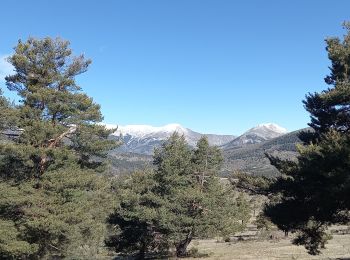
<point x="252" y="158"/>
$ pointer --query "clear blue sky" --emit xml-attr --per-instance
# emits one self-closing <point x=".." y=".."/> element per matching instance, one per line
<point x="213" y="66"/>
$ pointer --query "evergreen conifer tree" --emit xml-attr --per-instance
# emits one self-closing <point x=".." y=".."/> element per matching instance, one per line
<point x="314" y="192"/>
<point x="52" y="201"/>
<point x="183" y="199"/>
<point x="8" y="113"/>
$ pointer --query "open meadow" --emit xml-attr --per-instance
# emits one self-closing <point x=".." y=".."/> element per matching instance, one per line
<point x="337" y="248"/>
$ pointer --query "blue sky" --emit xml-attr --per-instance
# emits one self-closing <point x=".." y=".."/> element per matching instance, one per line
<point x="213" y="66"/>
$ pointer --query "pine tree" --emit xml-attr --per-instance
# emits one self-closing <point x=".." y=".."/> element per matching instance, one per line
<point x="52" y="201"/>
<point x="136" y="219"/>
<point x="54" y="110"/>
<point x="8" y="113"/>
<point x="183" y="199"/>
<point x="330" y="108"/>
<point x="314" y="192"/>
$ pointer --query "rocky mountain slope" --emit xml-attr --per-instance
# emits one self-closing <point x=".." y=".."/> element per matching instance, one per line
<point x="258" y="134"/>
<point x="245" y="153"/>
<point x="251" y="158"/>
<point x="142" y="139"/>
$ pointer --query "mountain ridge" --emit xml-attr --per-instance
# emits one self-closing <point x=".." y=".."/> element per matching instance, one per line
<point x="257" y="134"/>
<point x="251" y="158"/>
<point x="142" y="139"/>
<point x="248" y="158"/>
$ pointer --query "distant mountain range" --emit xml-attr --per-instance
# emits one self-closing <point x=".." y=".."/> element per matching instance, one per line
<point x="142" y="139"/>
<point x="245" y="152"/>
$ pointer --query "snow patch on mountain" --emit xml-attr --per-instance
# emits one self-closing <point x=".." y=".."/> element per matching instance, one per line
<point x="257" y="134"/>
<point x="272" y="127"/>
<point x="144" y="138"/>
<point x="142" y="131"/>
<point x="266" y="131"/>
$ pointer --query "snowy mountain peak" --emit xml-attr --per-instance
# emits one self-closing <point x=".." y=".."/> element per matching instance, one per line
<point x="145" y="130"/>
<point x="272" y="127"/>
<point x="144" y="138"/>
<point x="258" y="134"/>
<point x="174" y="128"/>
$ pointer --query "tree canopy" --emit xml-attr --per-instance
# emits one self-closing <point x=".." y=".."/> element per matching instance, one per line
<point x="314" y="192"/>
<point x="53" y="202"/>
<point x="181" y="199"/>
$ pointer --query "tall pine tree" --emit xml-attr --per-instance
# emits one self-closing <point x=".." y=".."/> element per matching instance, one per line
<point x="182" y="199"/>
<point x="314" y="192"/>
<point x="52" y="201"/>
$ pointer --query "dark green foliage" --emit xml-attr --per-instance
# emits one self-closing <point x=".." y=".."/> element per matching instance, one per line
<point x="313" y="237"/>
<point x="183" y="198"/>
<point x="314" y="191"/>
<point x="8" y="113"/>
<point x="251" y="184"/>
<point x="330" y="108"/>
<point x="52" y="201"/>
<point x="134" y="216"/>
<point x="54" y="112"/>
<point x="263" y="223"/>
<point x="63" y="217"/>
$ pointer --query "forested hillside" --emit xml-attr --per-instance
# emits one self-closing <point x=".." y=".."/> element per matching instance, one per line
<point x="252" y="158"/>
<point x="249" y="158"/>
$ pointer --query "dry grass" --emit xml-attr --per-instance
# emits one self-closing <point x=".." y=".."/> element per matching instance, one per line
<point x="337" y="248"/>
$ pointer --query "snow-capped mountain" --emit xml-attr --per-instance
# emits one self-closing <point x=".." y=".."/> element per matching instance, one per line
<point x="144" y="138"/>
<point x="143" y="131"/>
<point x="257" y="134"/>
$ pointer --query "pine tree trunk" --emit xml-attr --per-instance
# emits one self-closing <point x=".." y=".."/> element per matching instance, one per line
<point x="182" y="246"/>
